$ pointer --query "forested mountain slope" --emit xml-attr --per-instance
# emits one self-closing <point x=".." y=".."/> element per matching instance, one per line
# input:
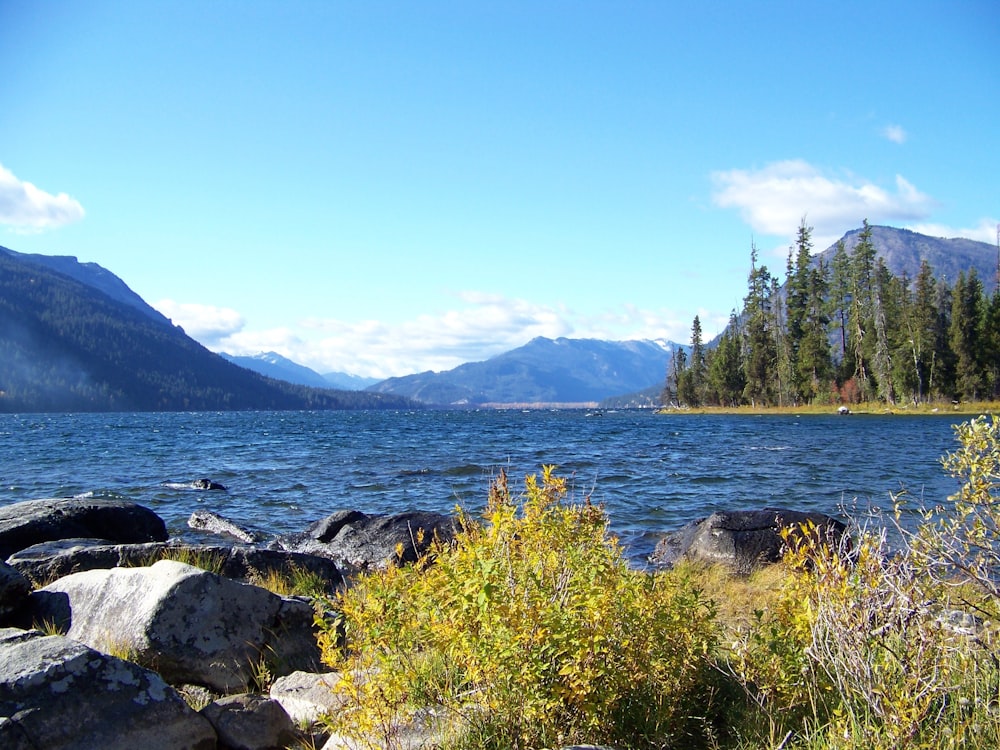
<point x="65" y="345"/>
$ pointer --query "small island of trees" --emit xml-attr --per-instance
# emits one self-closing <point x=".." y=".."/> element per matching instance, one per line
<point x="845" y="332"/>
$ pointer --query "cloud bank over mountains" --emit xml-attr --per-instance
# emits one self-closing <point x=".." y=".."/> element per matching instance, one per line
<point x="773" y="199"/>
<point x="474" y="327"/>
<point x="27" y="208"/>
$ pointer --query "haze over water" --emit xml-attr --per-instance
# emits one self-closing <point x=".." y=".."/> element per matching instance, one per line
<point x="284" y="470"/>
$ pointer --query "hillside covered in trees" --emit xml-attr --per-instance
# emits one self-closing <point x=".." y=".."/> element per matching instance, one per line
<point x="66" y="345"/>
<point x="844" y="329"/>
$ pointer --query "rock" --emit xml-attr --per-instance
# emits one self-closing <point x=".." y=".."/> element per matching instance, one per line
<point x="32" y="521"/>
<point x="204" y="520"/>
<point x="14" y="589"/>
<point x="358" y="541"/>
<point x="743" y="540"/>
<point x="197" y="484"/>
<point x="250" y="722"/>
<point x="48" y="561"/>
<point x="58" y="694"/>
<point x="424" y="731"/>
<point x="194" y="626"/>
<point x="306" y="696"/>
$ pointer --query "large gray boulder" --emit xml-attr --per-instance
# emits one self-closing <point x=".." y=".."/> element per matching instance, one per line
<point x="742" y="540"/>
<point x="32" y="521"/>
<point x="49" y="561"/>
<point x="58" y="694"/>
<point x="358" y="541"/>
<point x="191" y="625"/>
<point x="250" y="722"/>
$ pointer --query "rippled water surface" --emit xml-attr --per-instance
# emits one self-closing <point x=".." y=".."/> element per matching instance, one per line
<point x="284" y="470"/>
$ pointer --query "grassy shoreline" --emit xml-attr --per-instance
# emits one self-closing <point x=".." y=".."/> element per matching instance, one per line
<point x="938" y="408"/>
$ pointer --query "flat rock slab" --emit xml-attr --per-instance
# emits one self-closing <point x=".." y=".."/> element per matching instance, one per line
<point x="33" y="521"/>
<point x="49" y="561"/>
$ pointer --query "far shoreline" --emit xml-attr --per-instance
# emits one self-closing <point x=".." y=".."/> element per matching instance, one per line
<point x="927" y="409"/>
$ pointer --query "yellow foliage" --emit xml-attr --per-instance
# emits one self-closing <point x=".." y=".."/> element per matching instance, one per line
<point x="528" y="630"/>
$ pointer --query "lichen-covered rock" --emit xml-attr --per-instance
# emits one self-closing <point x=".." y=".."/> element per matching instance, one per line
<point x="742" y="540"/>
<point x="58" y="694"/>
<point x="32" y="521"/>
<point x="250" y="722"/>
<point x="192" y="625"/>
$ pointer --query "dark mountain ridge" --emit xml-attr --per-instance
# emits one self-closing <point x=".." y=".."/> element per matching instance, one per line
<point x="67" y="345"/>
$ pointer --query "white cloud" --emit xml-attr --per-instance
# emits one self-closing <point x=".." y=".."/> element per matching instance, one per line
<point x="29" y="209"/>
<point x="477" y="327"/>
<point x="984" y="231"/>
<point x="773" y="200"/>
<point x="894" y="133"/>
<point x="204" y="323"/>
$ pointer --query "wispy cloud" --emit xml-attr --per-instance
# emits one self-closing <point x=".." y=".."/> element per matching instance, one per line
<point x="774" y="199"/>
<point x="26" y="208"/>
<point x="894" y="133"/>
<point x="985" y="231"/>
<point x="477" y="327"/>
<point x="204" y="323"/>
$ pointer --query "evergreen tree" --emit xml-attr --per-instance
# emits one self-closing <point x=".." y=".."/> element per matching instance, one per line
<point x="862" y="315"/>
<point x="883" y="309"/>
<point x="696" y="370"/>
<point x="815" y="366"/>
<point x="797" y="284"/>
<point x="965" y="335"/>
<point x="725" y="372"/>
<point x="759" y="351"/>
<point x="839" y="311"/>
<point x="991" y="344"/>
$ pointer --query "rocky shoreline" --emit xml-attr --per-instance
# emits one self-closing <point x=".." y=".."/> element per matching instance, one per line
<point x="106" y="640"/>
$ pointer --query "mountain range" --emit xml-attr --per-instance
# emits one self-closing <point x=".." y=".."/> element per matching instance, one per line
<point x="74" y="337"/>
<point x="542" y="372"/>
<point x="273" y="365"/>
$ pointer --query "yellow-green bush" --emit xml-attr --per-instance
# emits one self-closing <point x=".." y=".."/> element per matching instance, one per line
<point x="872" y="647"/>
<point x="528" y="630"/>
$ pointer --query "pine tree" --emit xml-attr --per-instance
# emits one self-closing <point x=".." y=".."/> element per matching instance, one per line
<point x="965" y="335"/>
<point x="725" y="371"/>
<point x="883" y="309"/>
<point x="759" y="352"/>
<point x="862" y="316"/>
<point x="839" y="311"/>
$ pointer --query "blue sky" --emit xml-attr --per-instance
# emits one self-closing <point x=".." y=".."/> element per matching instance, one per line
<point x="384" y="188"/>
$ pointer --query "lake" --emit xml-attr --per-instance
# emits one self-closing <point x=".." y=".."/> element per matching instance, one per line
<point x="653" y="473"/>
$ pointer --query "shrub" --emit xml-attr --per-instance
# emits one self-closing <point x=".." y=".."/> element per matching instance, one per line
<point x="880" y="648"/>
<point x="527" y="630"/>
